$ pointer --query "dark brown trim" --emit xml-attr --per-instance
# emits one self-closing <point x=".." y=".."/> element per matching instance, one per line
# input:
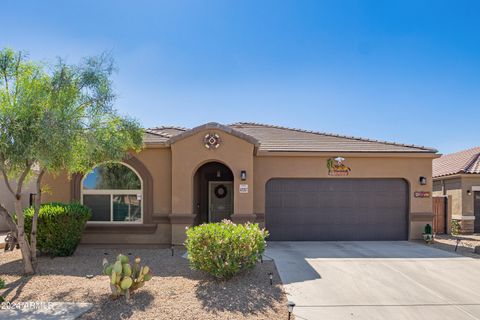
<point x="182" y="218"/>
<point x="147" y="186"/>
<point x="76" y="186"/>
<point x="120" y="228"/>
<point x="260" y="217"/>
<point x="421" y="216"/>
<point x="162" y="219"/>
<point x="243" y="218"/>
<point x="124" y="246"/>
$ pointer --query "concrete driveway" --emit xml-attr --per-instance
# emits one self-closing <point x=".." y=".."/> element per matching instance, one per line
<point x="377" y="280"/>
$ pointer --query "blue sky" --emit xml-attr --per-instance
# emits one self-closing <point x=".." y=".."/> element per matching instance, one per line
<point x="405" y="71"/>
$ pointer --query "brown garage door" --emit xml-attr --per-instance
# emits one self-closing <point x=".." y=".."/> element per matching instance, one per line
<point x="336" y="209"/>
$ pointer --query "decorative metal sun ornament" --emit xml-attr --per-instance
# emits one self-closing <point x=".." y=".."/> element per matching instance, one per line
<point x="211" y="141"/>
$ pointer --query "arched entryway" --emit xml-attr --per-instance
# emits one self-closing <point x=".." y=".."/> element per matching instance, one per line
<point x="213" y="193"/>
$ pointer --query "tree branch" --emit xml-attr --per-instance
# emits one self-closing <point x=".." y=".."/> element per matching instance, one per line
<point x="9" y="218"/>
<point x="21" y="179"/>
<point x="17" y="67"/>
<point x="5" y="176"/>
<point x="5" y="77"/>
<point x="7" y="182"/>
<point x="33" y="233"/>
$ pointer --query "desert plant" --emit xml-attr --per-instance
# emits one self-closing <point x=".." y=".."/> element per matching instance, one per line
<point x="55" y="119"/>
<point x="60" y="227"/>
<point x="125" y="278"/>
<point x="428" y="229"/>
<point x="2" y="285"/>
<point x="455" y="227"/>
<point x="223" y="249"/>
<point x="427" y="235"/>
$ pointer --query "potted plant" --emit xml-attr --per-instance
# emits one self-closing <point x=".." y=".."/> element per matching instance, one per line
<point x="428" y="235"/>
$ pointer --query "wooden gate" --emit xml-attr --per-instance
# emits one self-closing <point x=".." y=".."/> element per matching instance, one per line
<point x="440" y="214"/>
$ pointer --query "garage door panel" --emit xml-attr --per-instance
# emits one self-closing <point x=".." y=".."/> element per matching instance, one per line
<point x="337" y="209"/>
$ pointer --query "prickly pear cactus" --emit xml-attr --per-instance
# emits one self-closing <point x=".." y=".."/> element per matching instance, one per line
<point x="124" y="277"/>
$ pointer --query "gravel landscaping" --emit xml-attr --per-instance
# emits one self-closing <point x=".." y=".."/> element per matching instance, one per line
<point x="466" y="245"/>
<point x="175" y="292"/>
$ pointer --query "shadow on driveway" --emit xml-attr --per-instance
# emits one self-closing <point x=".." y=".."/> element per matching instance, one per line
<point x="292" y="258"/>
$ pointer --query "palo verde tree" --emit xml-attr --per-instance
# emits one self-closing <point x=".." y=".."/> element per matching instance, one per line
<point x="56" y="119"/>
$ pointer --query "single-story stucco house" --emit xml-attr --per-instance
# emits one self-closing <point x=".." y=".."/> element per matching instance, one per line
<point x="457" y="176"/>
<point x="300" y="185"/>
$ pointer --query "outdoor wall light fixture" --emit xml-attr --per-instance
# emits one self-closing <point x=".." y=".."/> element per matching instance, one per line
<point x="243" y="175"/>
<point x="423" y="180"/>
<point x="219" y="174"/>
<point x="290" y="306"/>
<point x="469" y="192"/>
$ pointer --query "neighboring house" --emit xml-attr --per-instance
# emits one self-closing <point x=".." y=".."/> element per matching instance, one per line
<point x="7" y="200"/>
<point x="301" y="185"/>
<point x="457" y="175"/>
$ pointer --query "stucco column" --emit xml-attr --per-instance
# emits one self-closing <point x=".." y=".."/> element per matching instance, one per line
<point x="190" y="153"/>
<point x="182" y="197"/>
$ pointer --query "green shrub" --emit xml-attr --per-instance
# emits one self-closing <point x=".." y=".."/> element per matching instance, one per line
<point x="223" y="249"/>
<point x="2" y="285"/>
<point x="455" y="227"/>
<point x="60" y="227"/>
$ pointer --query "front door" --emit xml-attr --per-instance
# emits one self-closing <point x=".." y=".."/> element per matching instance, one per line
<point x="220" y="200"/>
<point x="476" y="210"/>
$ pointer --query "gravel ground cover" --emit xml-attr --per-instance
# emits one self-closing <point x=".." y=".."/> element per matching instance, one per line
<point x="175" y="291"/>
<point x="466" y="245"/>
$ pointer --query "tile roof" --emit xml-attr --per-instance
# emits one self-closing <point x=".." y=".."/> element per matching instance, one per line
<point x="277" y="139"/>
<point x="216" y="126"/>
<point x="162" y="134"/>
<point x="167" y="131"/>
<point x="463" y="162"/>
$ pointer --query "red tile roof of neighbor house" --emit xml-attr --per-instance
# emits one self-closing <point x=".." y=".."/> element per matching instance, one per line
<point x="282" y="139"/>
<point x="463" y="162"/>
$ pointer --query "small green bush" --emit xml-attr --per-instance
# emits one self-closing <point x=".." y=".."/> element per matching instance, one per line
<point x="455" y="227"/>
<point x="2" y="285"/>
<point x="223" y="249"/>
<point x="60" y="227"/>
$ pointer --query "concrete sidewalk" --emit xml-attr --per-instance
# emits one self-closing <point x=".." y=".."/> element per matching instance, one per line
<point x="44" y="311"/>
<point x="377" y="280"/>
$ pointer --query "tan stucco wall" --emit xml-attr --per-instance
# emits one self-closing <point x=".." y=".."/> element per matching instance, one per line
<point x="173" y="170"/>
<point x="160" y="236"/>
<point x="190" y="153"/>
<point x="462" y="204"/>
<point x="56" y="188"/>
<point x="7" y="200"/>
<point x="468" y="200"/>
<point x="158" y="162"/>
<point x="410" y="169"/>
<point x="450" y="186"/>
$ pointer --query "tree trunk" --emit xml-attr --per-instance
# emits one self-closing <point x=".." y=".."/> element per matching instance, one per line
<point x="20" y="225"/>
<point x="33" y="234"/>
<point x="8" y="218"/>
<point x="22" y="241"/>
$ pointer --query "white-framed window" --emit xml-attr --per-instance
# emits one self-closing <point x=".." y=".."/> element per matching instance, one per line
<point x="113" y="191"/>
